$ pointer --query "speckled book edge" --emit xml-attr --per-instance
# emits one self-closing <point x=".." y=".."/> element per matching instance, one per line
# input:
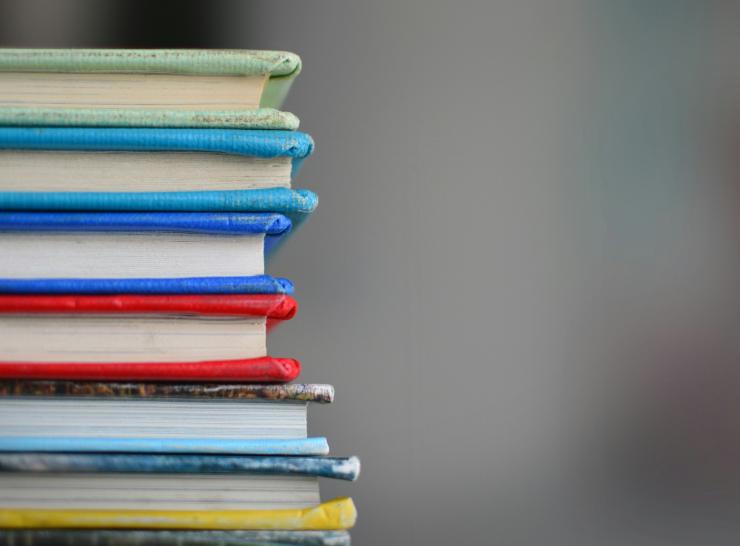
<point x="326" y="467"/>
<point x="319" y="393"/>
<point x="112" y="537"/>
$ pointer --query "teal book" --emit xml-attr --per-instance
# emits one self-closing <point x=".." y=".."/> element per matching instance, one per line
<point x="146" y="88"/>
<point x="158" y="170"/>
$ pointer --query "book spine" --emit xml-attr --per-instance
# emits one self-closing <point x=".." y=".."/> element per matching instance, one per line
<point x="255" y="370"/>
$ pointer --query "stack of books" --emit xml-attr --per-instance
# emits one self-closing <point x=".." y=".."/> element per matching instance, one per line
<point x="141" y="192"/>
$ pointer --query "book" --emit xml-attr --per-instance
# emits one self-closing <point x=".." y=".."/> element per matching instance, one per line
<point x="146" y="87"/>
<point x="133" y="160"/>
<point x="140" y="537"/>
<point x="86" y="331"/>
<point x="62" y="416"/>
<point x="136" y="245"/>
<point x="331" y="515"/>
<point x="156" y="482"/>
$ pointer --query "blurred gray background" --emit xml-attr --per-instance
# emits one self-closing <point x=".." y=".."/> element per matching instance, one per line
<point x="522" y="275"/>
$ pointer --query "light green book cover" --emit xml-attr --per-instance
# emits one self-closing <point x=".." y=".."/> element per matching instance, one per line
<point x="281" y="68"/>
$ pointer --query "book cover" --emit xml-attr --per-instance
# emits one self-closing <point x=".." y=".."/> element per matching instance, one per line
<point x="225" y="446"/>
<point x="211" y="223"/>
<point x="272" y="306"/>
<point x="266" y="369"/>
<point x="297" y="204"/>
<point x="142" y="537"/>
<point x="258" y="284"/>
<point x="326" y="467"/>
<point x="282" y="66"/>
<point x="265" y="144"/>
<point x="318" y="393"/>
<point x="154" y="118"/>
<point x="336" y="514"/>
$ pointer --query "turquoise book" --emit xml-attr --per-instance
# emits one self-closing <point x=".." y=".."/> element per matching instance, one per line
<point x="183" y="88"/>
<point x="166" y="170"/>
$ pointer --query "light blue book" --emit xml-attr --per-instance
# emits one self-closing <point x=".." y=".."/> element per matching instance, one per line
<point x="168" y="170"/>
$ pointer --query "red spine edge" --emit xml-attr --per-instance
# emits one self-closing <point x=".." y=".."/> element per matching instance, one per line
<point x="273" y="306"/>
<point x="255" y="370"/>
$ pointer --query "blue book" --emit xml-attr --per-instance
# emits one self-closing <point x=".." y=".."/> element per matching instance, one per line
<point x="144" y="252"/>
<point x="347" y="468"/>
<point x="187" y="170"/>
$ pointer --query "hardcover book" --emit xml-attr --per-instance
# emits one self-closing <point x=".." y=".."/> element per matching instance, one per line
<point x="143" y="337"/>
<point x="60" y="416"/>
<point x="136" y="245"/>
<point x="146" y="88"/>
<point x="165" y="482"/>
<point x="102" y="160"/>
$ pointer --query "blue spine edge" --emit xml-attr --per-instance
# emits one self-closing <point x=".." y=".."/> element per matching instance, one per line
<point x="257" y="143"/>
<point x="260" y="284"/>
<point x="214" y="223"/>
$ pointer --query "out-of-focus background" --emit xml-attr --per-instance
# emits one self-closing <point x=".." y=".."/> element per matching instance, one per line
<point x="523" y="276"/>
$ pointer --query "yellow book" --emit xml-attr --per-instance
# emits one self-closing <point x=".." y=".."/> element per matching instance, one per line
<point x="335" y="514"/>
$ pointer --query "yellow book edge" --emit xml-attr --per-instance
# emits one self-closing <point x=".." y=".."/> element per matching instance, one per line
<point x="331" y="515"/>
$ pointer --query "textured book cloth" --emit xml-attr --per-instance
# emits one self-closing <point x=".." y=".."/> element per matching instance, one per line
<point x="326" y="467"/>
<point x="265" y="144"/>
<point x="281" y="68"/>
<point x="334" y="514"/>
<point x="295" y="204"/>
<point x="112" y="537"/>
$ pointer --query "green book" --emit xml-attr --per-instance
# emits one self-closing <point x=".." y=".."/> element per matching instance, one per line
<point x="146" y="88"/>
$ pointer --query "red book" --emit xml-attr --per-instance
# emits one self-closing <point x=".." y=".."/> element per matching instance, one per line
<point x="143" y="337"/>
